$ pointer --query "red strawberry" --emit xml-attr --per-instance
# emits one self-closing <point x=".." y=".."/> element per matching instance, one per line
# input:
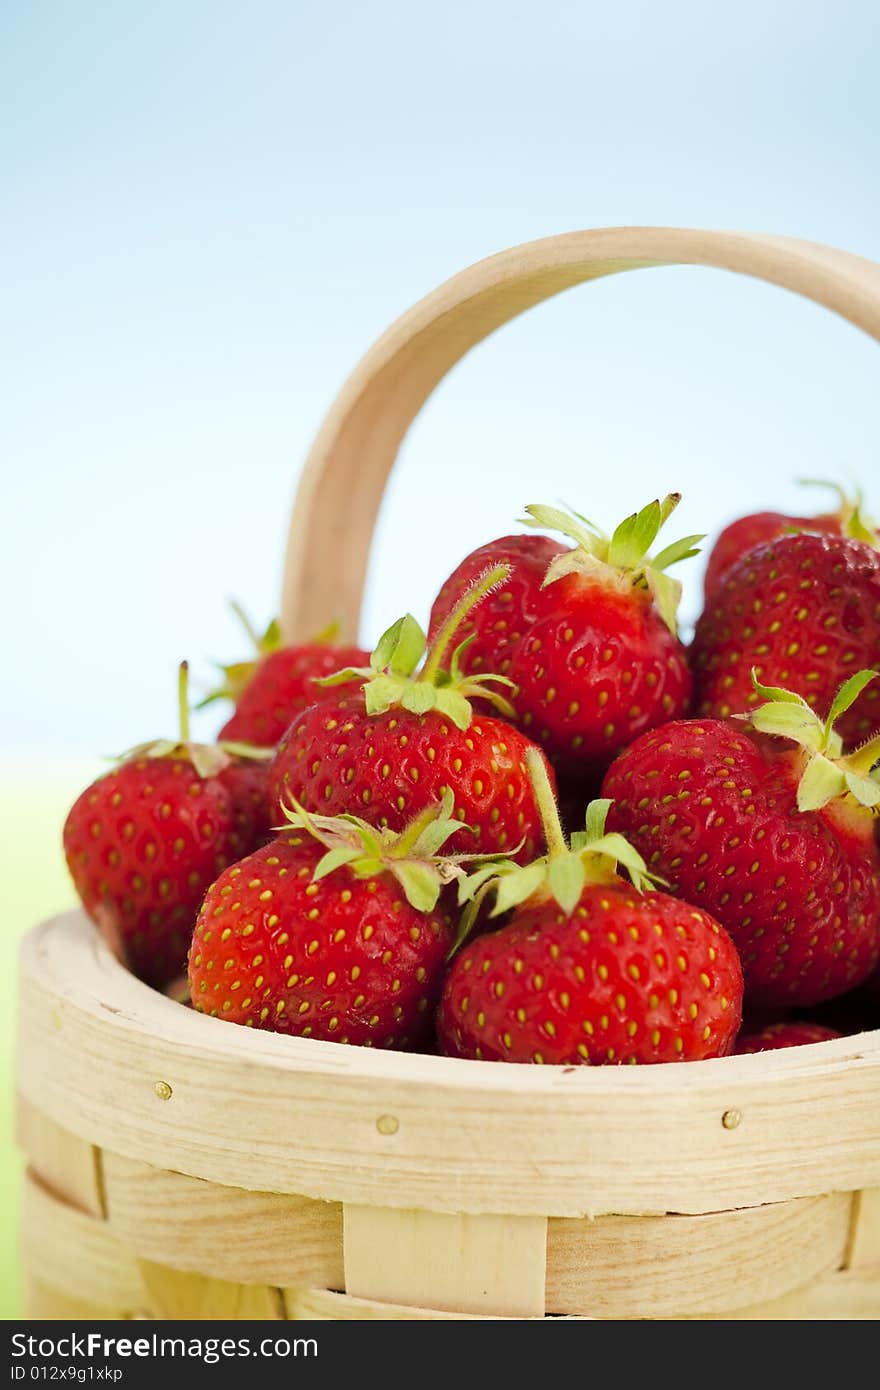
<point x="334" y="930"/>
<point x="600" y="662"/>
<point x="589" y="968"/>
<point x="804" y="611"/>
<point x="394" y="747"/>
<point x="272" y="689"/>
<point x="775" y="841"/>
<point x="777" y="1035"/>
<point x="747" y="532"/>
<point x="497" y="626"/>
<point x="143" y="842"/>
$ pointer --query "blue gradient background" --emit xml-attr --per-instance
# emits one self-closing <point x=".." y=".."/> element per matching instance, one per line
<point x="208" y="211"/>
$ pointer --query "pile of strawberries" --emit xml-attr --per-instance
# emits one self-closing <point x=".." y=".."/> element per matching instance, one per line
<point x="546" y="831"/>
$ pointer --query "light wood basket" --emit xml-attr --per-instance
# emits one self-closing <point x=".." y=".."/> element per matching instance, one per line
<point x="180" y="1167"/>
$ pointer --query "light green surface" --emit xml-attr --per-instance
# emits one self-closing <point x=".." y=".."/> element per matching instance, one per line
<point x="34" y="884"/>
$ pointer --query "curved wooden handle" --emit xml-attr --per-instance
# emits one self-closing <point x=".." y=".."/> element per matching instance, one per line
<point x="345" y="474"/>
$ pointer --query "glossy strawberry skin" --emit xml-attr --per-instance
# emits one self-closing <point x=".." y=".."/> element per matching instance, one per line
<point x="335" y="758"/>
<point x="144" y="842"/>
<point x="756" y="529"/>
<point x="804" y="611"/>
<point x="597" y="668"/>
<point x="624" y="978"/>
<point x="501" y="620"/>
<point x="778" y="1035"/>
<point x="712" y="808"/>
<point x="283" y="684"/>
<point x="343" y="959"/>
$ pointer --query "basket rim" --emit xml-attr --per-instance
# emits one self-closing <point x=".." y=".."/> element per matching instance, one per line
<point x="132" y="1071"/>
<point x="272" y="1049"/>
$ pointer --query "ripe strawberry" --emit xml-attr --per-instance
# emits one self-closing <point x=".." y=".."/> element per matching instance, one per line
<point x="144" y="841"/>
<point x="497" y="626"/>
<point x="600" y="662"/>
<point x="775" y="841"/>
<point x="334" y="930"/>
<point x="272" y="689"/>
<point x="747" y="532"/>
<point x="393" y="747"/>
<point x="777" y="1035"/>
<point x="804" y="611"/>
<point x="589" y="968"/>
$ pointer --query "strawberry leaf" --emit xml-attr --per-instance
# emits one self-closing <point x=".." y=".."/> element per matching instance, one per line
<point x="575" y="561"/>
<point x="456" y="674"/>
<point x="455" y="706"/>
<point x="847" y="695"/>
<point x="678" y="551"/>
<point x="567" y="876"/>
<point x="434" y="836"/>
<point x="419" y="697"/>
<point x="345" y="676"/>
<point x="666" y="593"/>
<point x="575" y="527"/>
<point x="597" y="814"/>
<point x="633" y="538"/>
<point x="821" y="782"/>
<point x="381" y="693"/>
<point x="620" y="851"/>
<point x="251" y="751"/>
<point x="400" y="648"/>
<point x="858" y="528"/>
<point x="865" y="789"/>
<point x="469" y="886"/>
<point x="777" y="693"/>
<point x="208" y="759"/>
<point x="335" y="858"/>
<point x="513" y="888"/>
<point x="789" y="721"/>
<point x="420" y="882"/>
<point x="668" y="506"/>
<point x="480" y="688"/>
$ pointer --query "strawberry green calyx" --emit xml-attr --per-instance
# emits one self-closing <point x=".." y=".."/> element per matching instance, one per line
<point x="622" y="558"/>
<point x="238" y="674"/>
<point x="412" y="856"/>
<point x="592" y="856"/>
<point x="208" y="759"/>
<point x="393" y="677"/>
<point x="828" y="772"/>
<point x="853" y="522"/>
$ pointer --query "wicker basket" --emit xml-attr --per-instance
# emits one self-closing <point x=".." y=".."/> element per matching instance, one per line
<point x="183" y="1168"/>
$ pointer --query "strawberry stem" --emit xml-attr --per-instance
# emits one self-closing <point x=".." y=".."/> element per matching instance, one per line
<point x="408" y="837"/>
<point x="183" y="700"/>
<point x="546" y="803"/>
<point x="473" y="594"/>
<point x="246" y="624"/>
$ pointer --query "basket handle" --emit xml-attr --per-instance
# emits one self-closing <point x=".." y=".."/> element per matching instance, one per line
<point x="345" y="473"/>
